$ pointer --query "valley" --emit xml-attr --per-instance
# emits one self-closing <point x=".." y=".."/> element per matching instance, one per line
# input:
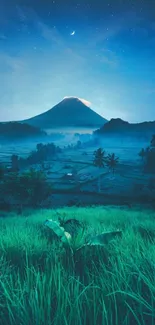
<point x="74" y="178"/>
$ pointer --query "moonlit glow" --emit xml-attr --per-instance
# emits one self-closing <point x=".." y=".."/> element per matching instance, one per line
<point x="99" y="50"/>
<point x="84" y="101"/>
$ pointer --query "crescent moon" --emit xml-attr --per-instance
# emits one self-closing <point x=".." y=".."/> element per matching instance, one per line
<point x="73" y="33"/>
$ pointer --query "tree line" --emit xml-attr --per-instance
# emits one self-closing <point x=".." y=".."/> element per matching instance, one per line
<point x="148" y="156"/>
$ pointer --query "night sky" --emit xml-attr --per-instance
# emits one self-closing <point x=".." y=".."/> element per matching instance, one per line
<point x="99" y="50"/>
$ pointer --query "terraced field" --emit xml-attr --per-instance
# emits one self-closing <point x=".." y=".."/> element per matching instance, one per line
<point x="127" y="180"/>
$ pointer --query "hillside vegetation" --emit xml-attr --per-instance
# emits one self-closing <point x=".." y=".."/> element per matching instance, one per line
<point x="21" y="131"/>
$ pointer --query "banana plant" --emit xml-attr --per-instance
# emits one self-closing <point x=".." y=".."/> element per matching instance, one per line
<point x="67" y="239"/>
<point x="64" y="236"/>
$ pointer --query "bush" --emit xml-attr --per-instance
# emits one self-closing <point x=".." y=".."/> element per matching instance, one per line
<point x="30" y="188"/>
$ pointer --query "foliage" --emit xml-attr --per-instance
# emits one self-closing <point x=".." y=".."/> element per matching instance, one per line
<point x="99" y="158"/>
<point x="148" y="156"/>
<point x="153" y="141"/>
<point x="42" y="153"/>
<point x="29" y="188"/>
<point x="150" y="161"/>
<point x="2" y="172"/>
<point x="151" y="184"/>
<point x="16" y="130"/>
<point x="79" y="144"/>
<point x="99" y="161"/>
<point x="42" y="284"/>
<point x="142" y="153"/>
<point x="112" y="161"/>
<point x="14" y="163"/>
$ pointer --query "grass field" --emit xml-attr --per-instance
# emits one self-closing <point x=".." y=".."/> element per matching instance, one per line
<point x="42" y="283"/>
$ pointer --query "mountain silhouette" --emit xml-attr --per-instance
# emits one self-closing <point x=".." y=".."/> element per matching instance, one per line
<point x="119" y="127"/>
<point x="17" y="131"/>
<point x="70" y="112"/>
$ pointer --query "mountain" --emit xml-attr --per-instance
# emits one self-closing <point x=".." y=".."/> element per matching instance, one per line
<point x="70" y="112"/>
<point x="118" y="127"/>
<point x="19" y="131"/>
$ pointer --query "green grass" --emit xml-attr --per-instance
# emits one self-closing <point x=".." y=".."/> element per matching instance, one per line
<point x="42" y="283"/>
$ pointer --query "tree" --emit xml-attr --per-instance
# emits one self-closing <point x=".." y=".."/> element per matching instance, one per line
<point x="149" y="155"/>
<point x="37" y="187"/>
<point x="142" y="153"/>
<point x="39" y="146"/>
<point x="99" y="161"/>
<point x="2" y="171"/>
<point x="112" y="161"/>
<point x="147" y="150"/>
<point x="30" y="188"/>
<point x="150" y="161"/>
<point x="153" y="141"/>
<point x="79" y="144"/>
<point x="14" y="163"/>
<point x="42" y="153"/>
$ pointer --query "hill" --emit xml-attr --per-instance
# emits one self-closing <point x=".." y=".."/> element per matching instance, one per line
<point x="19" y="131"/>
<point x="119" y="127"/>
<point x="70" y="112"/>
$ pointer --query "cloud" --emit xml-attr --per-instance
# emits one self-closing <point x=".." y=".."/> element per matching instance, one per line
<point x="49" y="33"/>
<point x="21" y="14"/>
<point x="13" y="63"/>
<point x="109" y="57"/>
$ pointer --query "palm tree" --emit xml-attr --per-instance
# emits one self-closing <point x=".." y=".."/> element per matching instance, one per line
<point x="99" y="160"/>
<point x="112" y="161"/>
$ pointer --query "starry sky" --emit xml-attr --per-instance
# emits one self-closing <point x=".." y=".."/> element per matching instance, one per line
<point x="100" y="50"/>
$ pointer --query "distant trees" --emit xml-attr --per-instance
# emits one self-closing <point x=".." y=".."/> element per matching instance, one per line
<point x="2" y="171"/>
<point x="148" y="156"/>
<point x="149" y="165"/>
<point x="153" y="141"/>
<point x="112" y="161"/>
<point x="14" y="163"/>
<point x="142" y="153"/>
<point x="42" y="153"/>
<point x="99" y="157"/>
<point x="99" y="161"/>
<point x="79" y="144"/>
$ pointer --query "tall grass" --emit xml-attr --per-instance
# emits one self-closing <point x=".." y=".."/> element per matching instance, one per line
<point x="42" y="283"/>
